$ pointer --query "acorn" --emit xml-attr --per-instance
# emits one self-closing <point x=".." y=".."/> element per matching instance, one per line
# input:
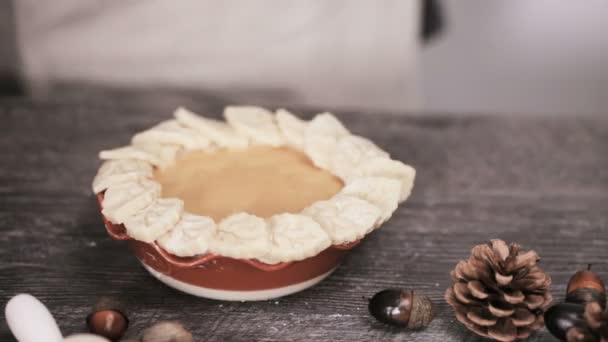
<point x="585" y="287"/>
<point x="567" y="321"/>
<point x="108" y="319"/>
<point x="167" y="332"/>
<point x="405" y="308"/>
<point x="561" y="318"/>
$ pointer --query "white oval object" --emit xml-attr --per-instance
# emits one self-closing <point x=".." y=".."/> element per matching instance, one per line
<point x="30" y="321"/>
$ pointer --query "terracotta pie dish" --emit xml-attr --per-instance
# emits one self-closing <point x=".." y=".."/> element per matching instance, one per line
<point x="260" y="207"/>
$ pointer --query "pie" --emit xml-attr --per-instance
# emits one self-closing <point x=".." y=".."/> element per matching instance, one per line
<point x="263" y="186"/>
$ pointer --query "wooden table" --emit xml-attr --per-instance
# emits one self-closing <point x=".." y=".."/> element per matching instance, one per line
<point x="541" y="181"/>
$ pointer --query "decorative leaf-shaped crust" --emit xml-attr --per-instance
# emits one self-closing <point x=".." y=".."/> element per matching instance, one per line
<point x="375" y="184"/>
<point x="320" y="138"/>
<point x="241" y="236"/>
<point x="171" y="132"/>
<point x="351" y="151"/>
<point x="191" y="236"/>
<point x="155" y="220"/>
<point x="388" y="168"/>
<point x="220" y="133"/>
<point x="379" y="191"/>
<point x="118" y="171"/>
<point x="256" y="123"/>
<point x="345" y="218"/>
<point x="294" y="237"/>
<point x="124" y="200"/>
<point x="155" y="154"/>
<point x="292" y="128"/>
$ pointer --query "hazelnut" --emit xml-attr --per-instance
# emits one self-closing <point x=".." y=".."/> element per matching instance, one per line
<point x="167" y="332"/>
<point x="108" y="319"/>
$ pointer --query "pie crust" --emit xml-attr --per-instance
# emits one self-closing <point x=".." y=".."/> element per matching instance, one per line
<point x="130" y="194"/>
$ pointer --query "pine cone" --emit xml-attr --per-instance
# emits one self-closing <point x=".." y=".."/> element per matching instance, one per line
<point x="596" y="328"/>
<point x="499" y="292"/>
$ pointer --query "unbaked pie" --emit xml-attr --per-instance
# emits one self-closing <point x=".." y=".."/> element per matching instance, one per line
<point x="264" y="187"/>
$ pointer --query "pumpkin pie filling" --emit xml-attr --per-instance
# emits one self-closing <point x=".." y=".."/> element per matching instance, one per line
<point x="260" y="180"/>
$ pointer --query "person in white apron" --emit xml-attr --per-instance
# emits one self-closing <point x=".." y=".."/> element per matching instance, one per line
<point x="338" y="54"/>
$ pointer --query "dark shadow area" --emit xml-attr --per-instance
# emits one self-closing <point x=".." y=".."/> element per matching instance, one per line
<point x="10" y="84"/>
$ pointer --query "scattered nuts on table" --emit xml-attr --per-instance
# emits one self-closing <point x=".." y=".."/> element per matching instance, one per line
<point x="108" y="319"/>
<point x="402" y="307"/>
<point x="167" y="332"/>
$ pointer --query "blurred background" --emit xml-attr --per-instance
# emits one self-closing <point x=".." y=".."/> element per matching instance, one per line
<point x="471" y="56"/>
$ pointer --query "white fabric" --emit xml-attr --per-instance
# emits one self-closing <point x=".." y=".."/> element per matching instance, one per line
<point x="339" y="53"/>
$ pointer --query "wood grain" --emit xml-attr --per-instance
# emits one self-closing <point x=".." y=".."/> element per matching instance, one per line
<point x="540" y="181"/>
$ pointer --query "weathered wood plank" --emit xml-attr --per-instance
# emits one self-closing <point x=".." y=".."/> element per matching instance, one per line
<point x="542" y="182"/>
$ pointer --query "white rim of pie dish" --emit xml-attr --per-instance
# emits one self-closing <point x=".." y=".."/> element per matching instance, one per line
<point x="234" y="295"/>
<point x="374" y="186"/>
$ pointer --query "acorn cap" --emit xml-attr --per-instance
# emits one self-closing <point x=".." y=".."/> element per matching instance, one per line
<point x="109" y="303"/>
<point x="587" y="279"/>
<point x="586" y="287"/>
<point x="423" y="311"/>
